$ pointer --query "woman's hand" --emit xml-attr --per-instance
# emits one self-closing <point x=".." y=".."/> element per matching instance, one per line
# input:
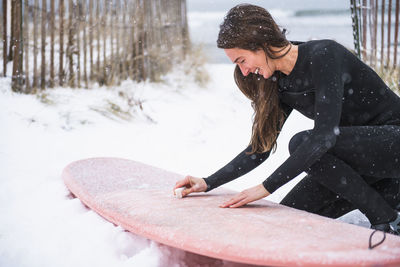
<point x="247" y="196"/>
<point x="192" y="184"/>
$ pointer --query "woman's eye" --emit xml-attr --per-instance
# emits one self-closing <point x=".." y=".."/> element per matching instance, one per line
<point x="241" y="62"/>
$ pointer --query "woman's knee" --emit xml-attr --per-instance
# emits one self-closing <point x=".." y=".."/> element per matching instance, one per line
<point x="297" y="139"/>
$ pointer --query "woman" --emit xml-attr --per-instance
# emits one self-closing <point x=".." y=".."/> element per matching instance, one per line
<point x="351" y="156"/>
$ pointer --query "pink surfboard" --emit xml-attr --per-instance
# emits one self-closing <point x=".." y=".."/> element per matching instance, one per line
<point x="140" y="198"/>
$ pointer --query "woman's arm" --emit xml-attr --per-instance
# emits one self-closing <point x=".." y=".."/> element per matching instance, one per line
<point x="327" y="77"/>
<point x="240" y="165"/>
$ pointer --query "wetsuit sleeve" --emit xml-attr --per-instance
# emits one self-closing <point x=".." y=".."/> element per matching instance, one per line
<point x="326" y="75"/>
<point x="241" y="164"/>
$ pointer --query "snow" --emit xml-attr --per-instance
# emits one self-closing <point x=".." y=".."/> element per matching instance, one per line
<point x="181" y="127"/>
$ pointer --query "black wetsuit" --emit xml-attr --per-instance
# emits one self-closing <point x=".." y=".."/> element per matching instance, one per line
<point x="352" y="155"/>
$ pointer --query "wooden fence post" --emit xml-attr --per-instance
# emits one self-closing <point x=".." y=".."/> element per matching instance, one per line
<point x="117" y="60"/>
<point x="375" y="32"/>
<point x="77" y="23"/>
<point x="91" y="75"/>
<point x="35" y="46"/>
<point x="43" y="46"/>
<point x="70" y="45"/>
<point x="98" y="40"/>
<point x="389" y="31"/>
<point x="12" y="18"/>
<point x="52" y="14"/>
<point x="17" y="80"/>
<point x="132" y="43"/>
<point x="61" y="75"/>
<point x="364" y="29"/>
<point x="26" y="47"/>
<point x="110" y="36"/>
<point x="104" y="28"/>
<point x="396" y="34"/>
<point x="141" y="53"/>
<point x="84" y="19"/>
<point x="185" y="29"/>
<point x="124" y="65"/>
<point x="5" y="59"/>
<point x="382" y="31"/>
<point x="356" y="32"/>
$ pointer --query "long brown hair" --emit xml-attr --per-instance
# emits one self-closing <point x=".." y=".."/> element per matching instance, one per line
<point x="252" y="28"/>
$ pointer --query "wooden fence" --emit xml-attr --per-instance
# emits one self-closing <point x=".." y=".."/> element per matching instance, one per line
<point x="376" y="32"/>
<point x="75" y="42"/>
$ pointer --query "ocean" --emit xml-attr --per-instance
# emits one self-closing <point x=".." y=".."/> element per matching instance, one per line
<point x="304" y="20"/>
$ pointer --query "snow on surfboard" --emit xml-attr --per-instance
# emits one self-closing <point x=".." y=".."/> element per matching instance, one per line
<point x="139" y="198"/>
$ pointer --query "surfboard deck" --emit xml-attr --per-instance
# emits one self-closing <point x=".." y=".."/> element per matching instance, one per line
<point x="139" y="198"/>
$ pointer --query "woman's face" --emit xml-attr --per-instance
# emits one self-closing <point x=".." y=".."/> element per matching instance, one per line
<point x="250" y="61"/>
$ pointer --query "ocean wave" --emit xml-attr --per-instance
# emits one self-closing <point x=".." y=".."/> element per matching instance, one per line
<point x="320" y="12"/>
<point x="317" y="22"/>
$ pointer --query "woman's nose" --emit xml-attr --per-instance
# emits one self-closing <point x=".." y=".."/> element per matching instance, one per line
<point x="245" y="71"/>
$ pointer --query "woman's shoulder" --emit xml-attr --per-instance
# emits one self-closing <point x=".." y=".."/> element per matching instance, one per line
<point x="323" y="46"/>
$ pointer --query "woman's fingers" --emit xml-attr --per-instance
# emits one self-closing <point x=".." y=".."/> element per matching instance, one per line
<point x="247" y="196"/>
<point x="187" y="191"/>
<point x="191" y="184"/>
<point x="238" y="198"/>
<point x="182" y="183"/>
<point x="240" y="203"/>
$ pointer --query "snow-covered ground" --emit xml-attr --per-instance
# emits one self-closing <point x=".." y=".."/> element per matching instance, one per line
<point x="181" y="127"/>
